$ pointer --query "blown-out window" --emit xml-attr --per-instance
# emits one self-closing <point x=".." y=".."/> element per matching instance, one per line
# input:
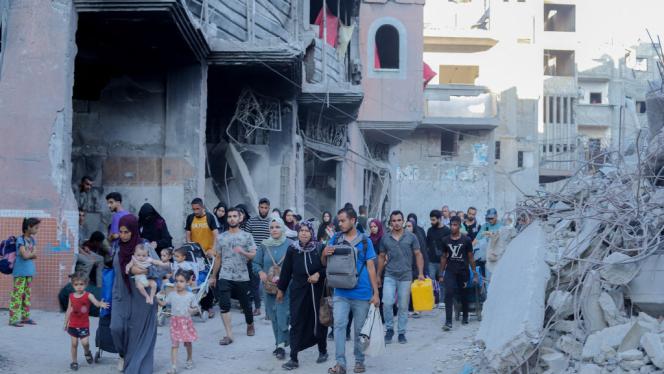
<point x="387" y="48"/>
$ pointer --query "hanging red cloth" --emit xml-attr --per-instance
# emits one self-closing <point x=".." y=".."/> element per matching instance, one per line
<point x="376" y="57"/>
<point x="332" y="26"/>
<point x="427" y="73"/>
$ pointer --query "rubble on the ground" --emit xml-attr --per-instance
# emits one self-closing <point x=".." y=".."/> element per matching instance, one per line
<point x="581" y="289"/>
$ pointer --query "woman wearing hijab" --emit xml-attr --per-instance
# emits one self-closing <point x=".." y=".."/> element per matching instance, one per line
<point x="303" y="275"/>
<point x="269" y="258"/>
<point x="220" y="214"/>
<point x="133" y="321"/>
<point x="289" y="221"/>
<point x="376" y="233"/>
<point x="326" y="228"/>
<point x="152" y="227"/>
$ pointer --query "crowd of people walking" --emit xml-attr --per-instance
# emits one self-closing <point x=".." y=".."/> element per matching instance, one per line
<point x="275" y="260"/>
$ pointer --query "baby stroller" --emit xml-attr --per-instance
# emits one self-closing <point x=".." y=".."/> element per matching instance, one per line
<point x="204" y="266"/>
<point x="476" y="294"/>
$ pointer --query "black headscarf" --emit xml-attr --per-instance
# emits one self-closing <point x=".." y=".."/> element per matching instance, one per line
<point x="222" y="223"/>
<point x="152" y="227"/>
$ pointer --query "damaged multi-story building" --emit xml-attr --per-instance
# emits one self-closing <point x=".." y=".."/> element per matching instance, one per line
<point x="167" y="100"/>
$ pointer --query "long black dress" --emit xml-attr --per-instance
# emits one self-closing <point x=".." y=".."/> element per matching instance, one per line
<point x="305" y="297"/>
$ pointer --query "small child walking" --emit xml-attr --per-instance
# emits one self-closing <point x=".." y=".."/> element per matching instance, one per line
<point x="77" y="318"/>
<point x="182" y="326"/>
<point x="23" y="272"/>
<point x="142" y="259"/>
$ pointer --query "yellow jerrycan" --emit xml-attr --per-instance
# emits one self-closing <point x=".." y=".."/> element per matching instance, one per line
<point x="422" y="295"/>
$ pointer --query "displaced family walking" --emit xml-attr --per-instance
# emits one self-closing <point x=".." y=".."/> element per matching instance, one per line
<point x="341" y="275"/>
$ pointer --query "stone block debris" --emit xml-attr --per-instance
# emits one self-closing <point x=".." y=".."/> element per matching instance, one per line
<point x="584" y="278"/>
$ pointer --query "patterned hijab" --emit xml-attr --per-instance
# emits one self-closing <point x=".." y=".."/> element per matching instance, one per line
<point x="272" y="242"/>
<point x="312" y="244"/>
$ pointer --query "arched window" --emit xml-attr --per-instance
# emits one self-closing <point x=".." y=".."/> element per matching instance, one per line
<point x="387" y="48"/>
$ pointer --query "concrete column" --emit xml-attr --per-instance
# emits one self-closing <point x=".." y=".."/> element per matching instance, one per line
<point x="36" y="111"/>
<point x="183" y="163"/>
<point x="351" y="178"/>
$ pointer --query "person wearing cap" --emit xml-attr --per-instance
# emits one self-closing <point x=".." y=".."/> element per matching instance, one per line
<point x="487" y="232"/>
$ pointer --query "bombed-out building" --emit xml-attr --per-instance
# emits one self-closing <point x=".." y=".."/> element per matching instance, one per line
<point x="167" y="100"/>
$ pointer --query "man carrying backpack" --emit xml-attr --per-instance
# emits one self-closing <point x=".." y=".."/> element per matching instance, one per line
<point x="356" y="298"/>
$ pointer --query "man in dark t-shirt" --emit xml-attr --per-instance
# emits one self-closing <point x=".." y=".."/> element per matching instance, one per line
<point x="457" y="255"/>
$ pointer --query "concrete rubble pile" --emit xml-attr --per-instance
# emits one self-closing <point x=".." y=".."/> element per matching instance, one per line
<point x="581" y="288"/>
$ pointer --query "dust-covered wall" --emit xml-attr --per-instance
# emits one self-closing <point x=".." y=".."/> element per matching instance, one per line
<point x="144" y="138"/>
<point x="425" y="180"/>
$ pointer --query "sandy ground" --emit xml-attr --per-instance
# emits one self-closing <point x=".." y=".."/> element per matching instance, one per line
<point x="45" y="349"/>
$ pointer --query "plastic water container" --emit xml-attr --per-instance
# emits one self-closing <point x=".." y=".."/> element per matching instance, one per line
<point x="422" y="295"/>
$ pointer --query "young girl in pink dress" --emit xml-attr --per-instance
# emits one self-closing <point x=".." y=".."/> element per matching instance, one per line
<point x="182" y="327"/>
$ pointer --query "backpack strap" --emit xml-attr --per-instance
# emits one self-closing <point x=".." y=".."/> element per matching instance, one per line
<point x="364" y="246"/>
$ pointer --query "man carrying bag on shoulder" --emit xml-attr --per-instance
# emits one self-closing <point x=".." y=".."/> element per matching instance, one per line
<point x="354" y="290"/>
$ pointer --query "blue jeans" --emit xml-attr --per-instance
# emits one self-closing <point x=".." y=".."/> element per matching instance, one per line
<point x="279" y="314"/>
<point x="400" y="289"/>
<point x="342" y="306"/>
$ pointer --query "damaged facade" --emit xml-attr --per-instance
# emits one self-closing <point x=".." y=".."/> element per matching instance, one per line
<point x="588" y="269"/>
<point x="166" y="100"/>
<point x="481" y="109"/>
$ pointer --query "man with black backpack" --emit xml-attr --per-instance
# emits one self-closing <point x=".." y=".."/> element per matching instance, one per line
<point x="353" y="291"/>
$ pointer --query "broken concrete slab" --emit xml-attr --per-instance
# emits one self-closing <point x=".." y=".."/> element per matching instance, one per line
<point x="593" y="317"/>
<point x="631" y="355"/>
<point x="641" y="291"/>
<point x="590" y="369"/>
<point x="556" y="362"/>
<point x="561" y="302"/>
<point x="608" y="337"/>
<point x="633" y="338"/>
<point x="509" y="330"/>
<point x="611" y="313"/>
<point x="570" y="346"/>
<point x="618" y="270"/>
<point x="652" y="344"/>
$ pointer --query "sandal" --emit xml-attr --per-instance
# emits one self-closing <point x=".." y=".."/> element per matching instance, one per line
<point x="73" y="366"/>
<point x="359" y="368"/>
<point x="88" y="357"/>
<point x="172" y="370"/>
<point x="28" y="322"/>
<point x="337" y="369"/>
<point x="226" y="341"/>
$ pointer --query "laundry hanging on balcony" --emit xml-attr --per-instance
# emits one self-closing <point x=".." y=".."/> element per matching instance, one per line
<point x="345" y="35"/>
<point x="332" y="23"/>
